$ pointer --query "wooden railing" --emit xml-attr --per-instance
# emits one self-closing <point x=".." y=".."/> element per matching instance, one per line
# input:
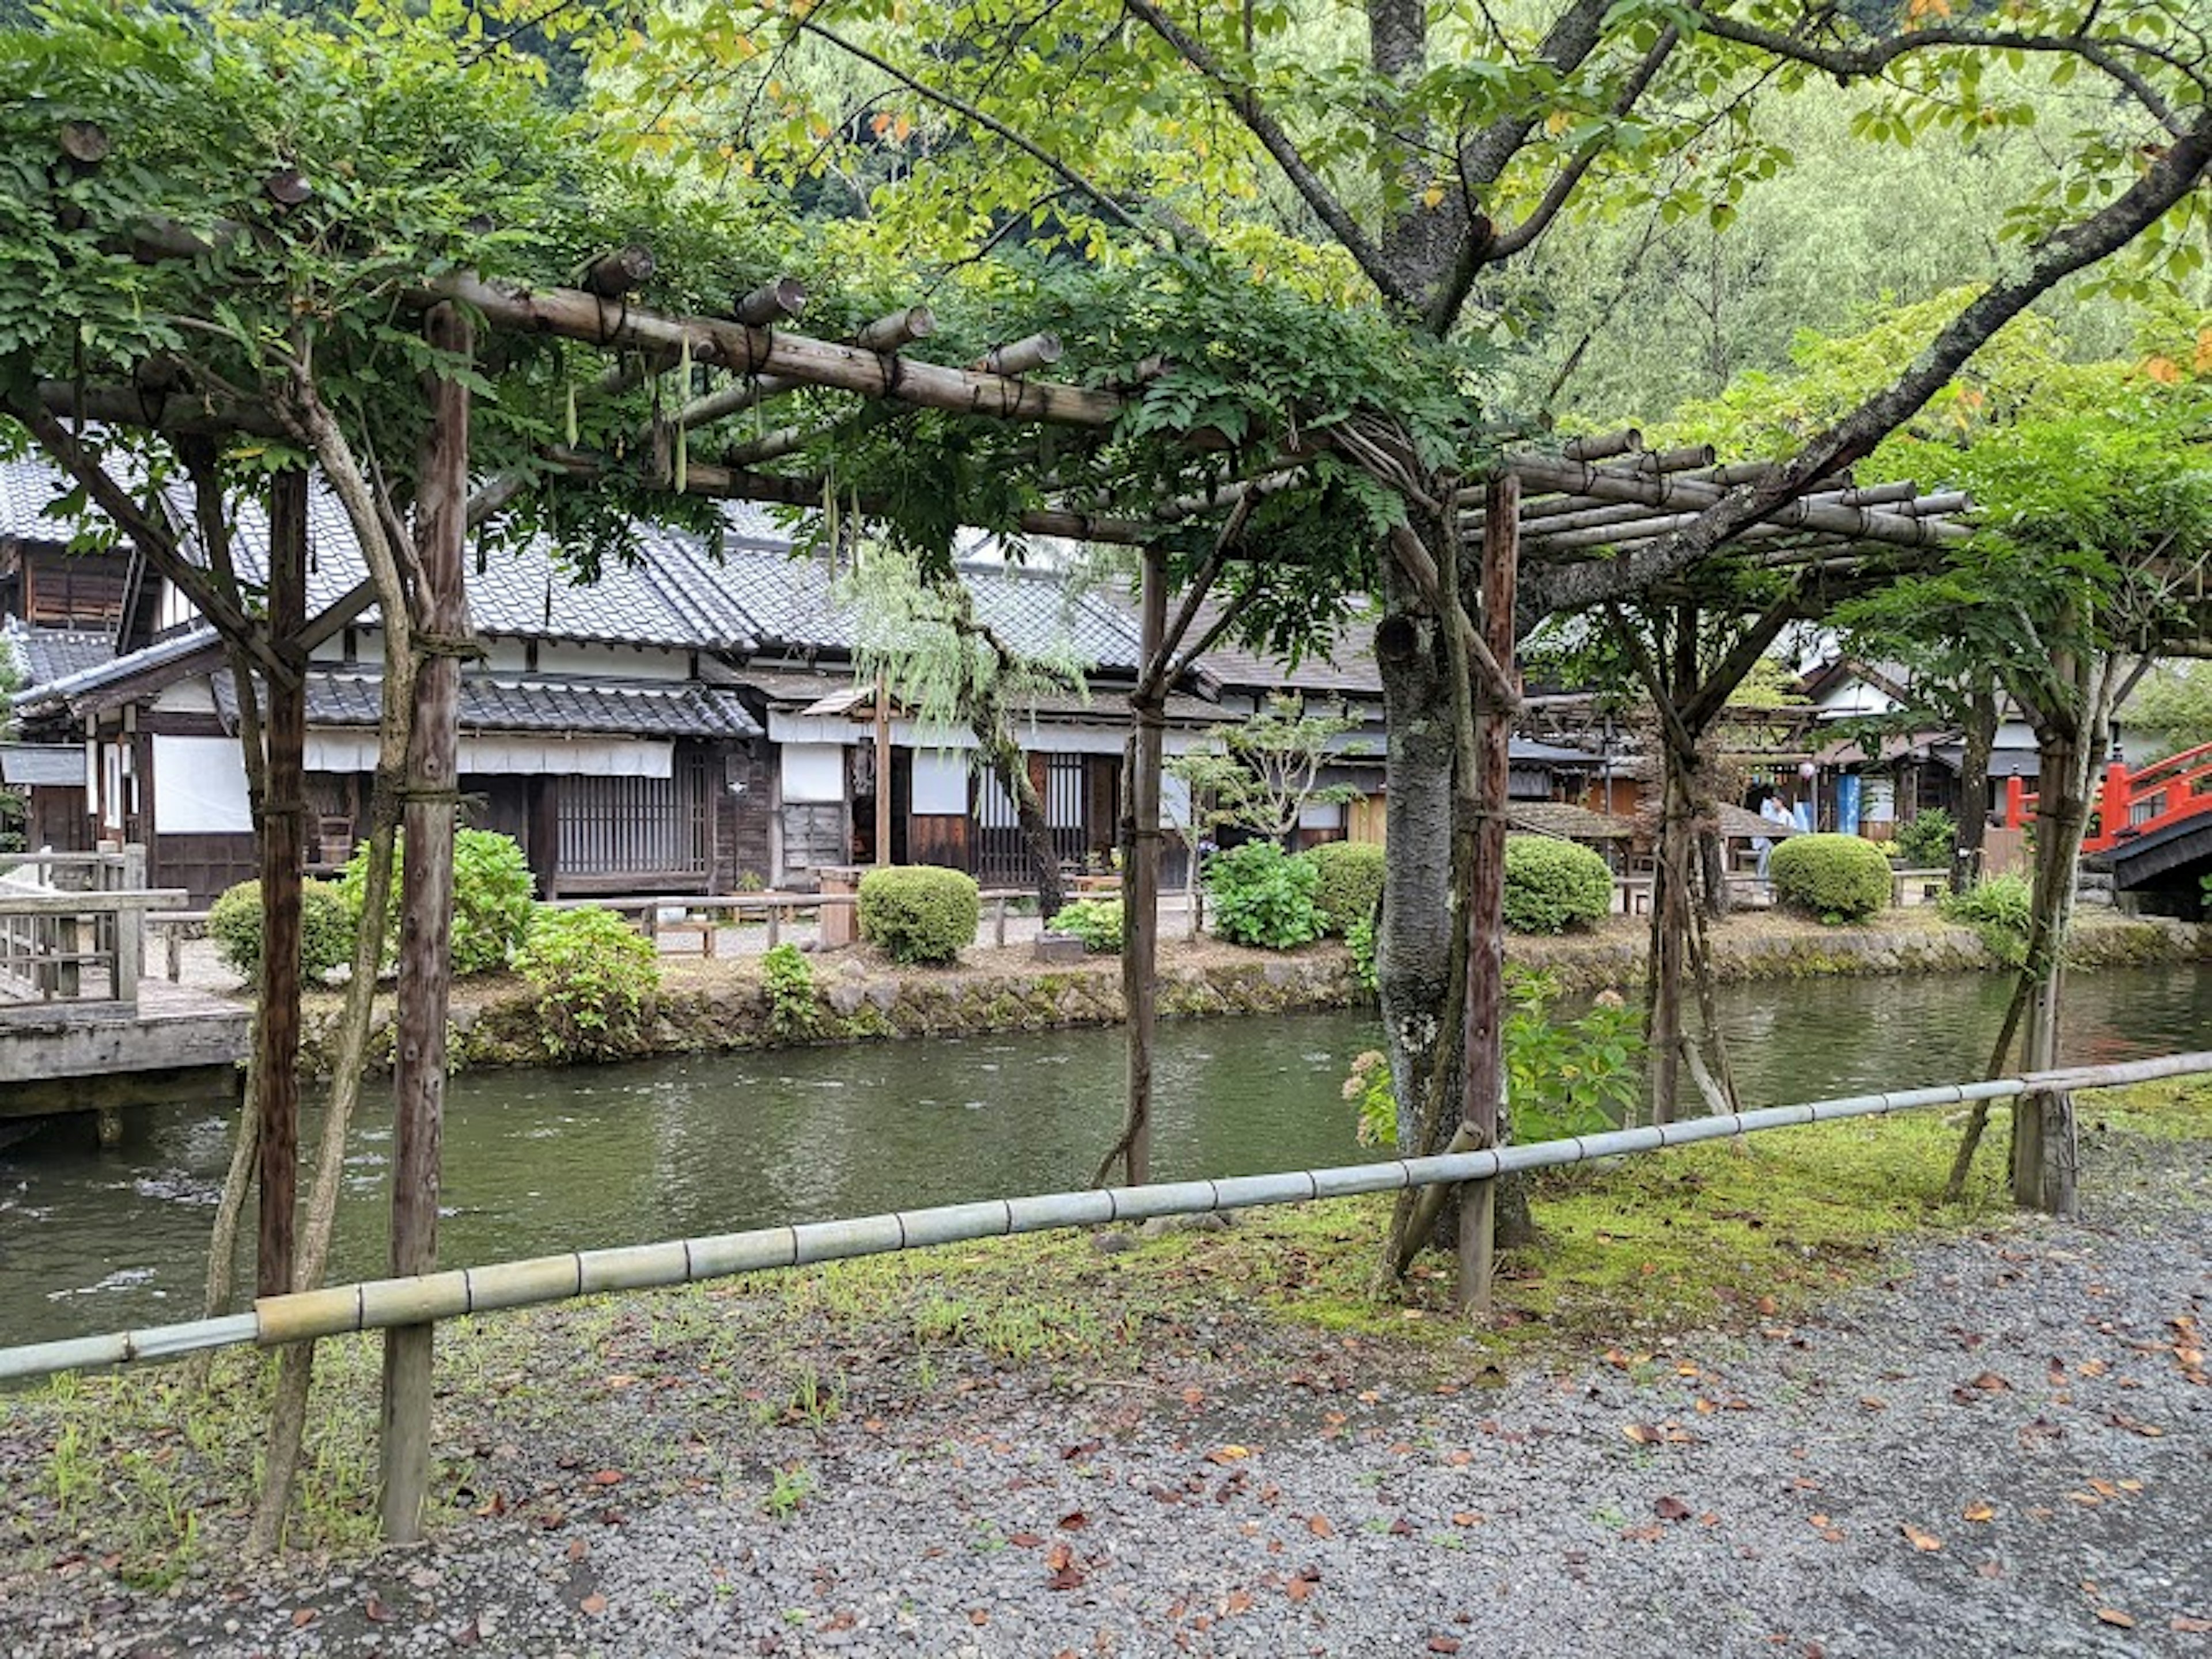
<point x="2132" y="805"/>
<point x="73" y="930"/>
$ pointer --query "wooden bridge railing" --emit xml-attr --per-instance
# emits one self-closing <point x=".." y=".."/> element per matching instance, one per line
<point x="73" y="929"/>
<point x="2131" y="805"/>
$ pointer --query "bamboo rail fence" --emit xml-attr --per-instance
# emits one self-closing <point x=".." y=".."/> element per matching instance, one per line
<point x="381" y="1304"/>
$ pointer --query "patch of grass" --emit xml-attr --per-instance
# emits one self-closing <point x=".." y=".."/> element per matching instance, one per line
<point x="1759" y="1228"/>
<point x="2173" y="1108"/>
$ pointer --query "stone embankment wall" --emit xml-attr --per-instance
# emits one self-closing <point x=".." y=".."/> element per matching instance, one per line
<point x="722" y="1004"/>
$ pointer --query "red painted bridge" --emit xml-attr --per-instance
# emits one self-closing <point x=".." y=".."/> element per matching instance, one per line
<point x="2148" y="825"/>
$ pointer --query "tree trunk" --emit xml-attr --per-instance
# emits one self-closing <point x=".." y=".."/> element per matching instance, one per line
<point x="1413" y="944"/>
<point x="426" y="933"/>
<point x="283" y="856"/>
<point x="1140" y="879"/>
<point x="1981" y="734"/>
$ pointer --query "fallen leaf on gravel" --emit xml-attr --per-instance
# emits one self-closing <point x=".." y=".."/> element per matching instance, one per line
<point x="468" y="1635"/>
<point x="622" y="1380"/>
<point x="1832" y="1535"/>
<point x="979" y="1616"/>
<point x="1238" y="1601"/>
<point x="1081" y="1449"/>
<point x="1642" y="1534"/>
<point x="1670" y="1508"/>
<point x="1059" y="1556"/>
<point x="302" y="1618"/>
<point x="2135" y="1425"/>
<point x="1925" y="1541"/>
<point x="1303" y="1585"/>
<point x="1459" y="1460"/>
<point x="1067" y="1578"/>
<point x="1192" y="1395"/>
<point x="1465" y="1518"/>
<point x="1642" y="1433"/>
<point x="2189" y="1626"/>
<point x="1980" y="1512"/>
<point x="2114" y="1616"/>
<point x="1319" y="1527"/>
<point x="1073" y="1520"/>
<point x="1818" y="1520"/>
<point x="1443" y="1644"/>
<point x="1991" y="1382"/>
<point x="1992" y="1569"/>
<point x="376" y="1612"/>
<point x="1873" y="1404"/>
<point x="1228" y="1454"/>
<point x="2131" y="1485"/>
<point x="608" y="1478"/>
<point x="578" y="1549"/>
<point x="594" y="1604"/>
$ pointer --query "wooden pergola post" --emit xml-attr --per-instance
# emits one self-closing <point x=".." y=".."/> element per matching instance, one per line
<point x="1481" y="1057"/>
<point x="1140" y="865"/>
<point x="283" y="854"/>
<point x="426" y="928"/>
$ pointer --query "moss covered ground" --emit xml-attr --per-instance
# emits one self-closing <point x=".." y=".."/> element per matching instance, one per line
<point x="159" y="1476"/>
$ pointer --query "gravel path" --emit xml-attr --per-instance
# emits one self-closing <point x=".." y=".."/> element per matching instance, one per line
<point x="2006" y="1448"/>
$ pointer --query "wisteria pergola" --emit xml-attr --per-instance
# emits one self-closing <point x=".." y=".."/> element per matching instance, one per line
<point x="1593" y="520"/>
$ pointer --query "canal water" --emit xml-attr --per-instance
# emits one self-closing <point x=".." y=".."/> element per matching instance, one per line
<point x="539" y="1160"/>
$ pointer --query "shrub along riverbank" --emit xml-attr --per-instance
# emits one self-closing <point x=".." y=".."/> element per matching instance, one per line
<point x="857" y="995"/>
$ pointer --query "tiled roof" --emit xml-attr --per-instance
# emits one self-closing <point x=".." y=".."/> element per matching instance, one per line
<point x="45" y="654"/>
<point x="26" y="487"/>
<point x="1571" y="822"/>
<point x="1347" y="669"/>
<point x="501" y="702"/>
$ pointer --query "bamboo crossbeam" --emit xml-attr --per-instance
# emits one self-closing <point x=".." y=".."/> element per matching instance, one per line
<point x="771" y="302"/>
<point x="1021" y="356"/>
<point x="623" y="270"/>
<point x="899" y="328"/>
<point x="699" y="411"/>
<point x="570" y="314"/>
<point x="1858" y="523"/>
<point x="1603" y="448"/>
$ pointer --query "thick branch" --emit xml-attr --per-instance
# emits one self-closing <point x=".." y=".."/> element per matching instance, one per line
<point x="2164" y="183"/>
<point x="1245" y="105"/>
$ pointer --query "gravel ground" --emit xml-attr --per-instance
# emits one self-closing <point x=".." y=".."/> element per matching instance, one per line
<point x="2004" y="1448"/>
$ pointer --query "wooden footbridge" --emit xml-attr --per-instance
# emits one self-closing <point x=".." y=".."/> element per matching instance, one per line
<point x="81" y="1029"/>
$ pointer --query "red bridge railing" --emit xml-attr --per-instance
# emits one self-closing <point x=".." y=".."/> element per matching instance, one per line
<point x="2134" y="804"/>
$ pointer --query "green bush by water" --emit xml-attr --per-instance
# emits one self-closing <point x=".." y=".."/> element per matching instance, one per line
<point x="2001" y="909"/>
<point x="918" y="913"/>
<point x="1552" y="886"/>
<point x="1262" y="896"/>
<point x="492" y="889"/>
<point x="789" y="977"/>
<point x="595" y="976"/>
<point x="1929" y="841"/>
<point x="1838" y="878"/>
<point x="326" y="929"/>
<point x="1348" y="885"/>
<point x="1096" y="922"/>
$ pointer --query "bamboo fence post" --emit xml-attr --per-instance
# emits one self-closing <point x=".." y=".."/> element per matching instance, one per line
<point x="1140" y="919"/>
<point x="998" y="921"/>
<point x="1481" y="1057"/>
<point x="276" y="1031"/>
<point x="426" y="933"/>
<point x="774" y="925"/>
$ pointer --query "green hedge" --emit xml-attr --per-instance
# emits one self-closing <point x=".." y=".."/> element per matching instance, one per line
<point x="1096" y="922"/>
<point x="1835" y="877"/>
<point x="595" y="976"/>
<point x="918" y="914"/>
<point x="326" y="929"/>
<point x="1348" y="885"/>
<point x="492" y="888"/>
<point x="1262" y="896"/>
<point x="1552" y="886"/>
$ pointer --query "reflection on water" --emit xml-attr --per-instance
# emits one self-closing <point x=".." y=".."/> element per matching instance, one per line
<point x="541" y="1161"/>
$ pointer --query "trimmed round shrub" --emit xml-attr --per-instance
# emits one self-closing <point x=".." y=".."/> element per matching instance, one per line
<point x="918" y="913"/>
<point x="1836" y="878"/>
<point x="492" y="889"/>
<point x="1349" y="883"/>
<point x="1262" y="896"/>
<point x="1096" y="922"/>
<point x="595" y="976"/>
<point x="326" y="929"/>
<point x="1929" y="841"/>
<point x="1552" y="885"/>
